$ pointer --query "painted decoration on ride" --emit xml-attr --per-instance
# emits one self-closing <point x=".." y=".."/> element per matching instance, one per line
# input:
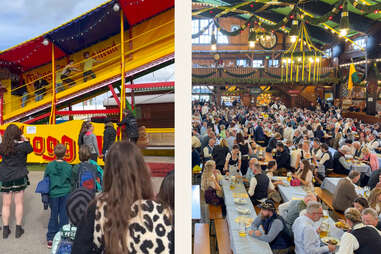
<point x="44" y="138"/>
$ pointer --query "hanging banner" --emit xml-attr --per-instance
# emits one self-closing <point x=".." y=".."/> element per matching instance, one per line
<point x="44" y="138"/>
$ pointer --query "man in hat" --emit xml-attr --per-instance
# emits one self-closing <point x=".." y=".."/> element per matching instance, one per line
<point x="131" y="126"/>
<point x="271" y="228"/>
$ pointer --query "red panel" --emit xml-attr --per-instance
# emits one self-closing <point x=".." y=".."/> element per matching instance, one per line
<point x="31" y="54"/>
<point x="138" y="10"/>
<point x="151" y="85"/>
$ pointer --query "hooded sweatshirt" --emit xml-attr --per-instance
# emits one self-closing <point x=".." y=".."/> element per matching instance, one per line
<point x="59" y="173"/>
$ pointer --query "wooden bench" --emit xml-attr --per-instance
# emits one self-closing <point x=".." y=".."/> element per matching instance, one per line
<point x="223" y="240"/>
<point x="215" y="212"/>
<point x="327" y="198"/>
<point x="332" y="174"/>
<point x="201" y="242"/>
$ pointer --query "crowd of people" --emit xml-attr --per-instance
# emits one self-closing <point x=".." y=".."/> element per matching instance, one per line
<point x="256" y="143"/>
<point x="92" y="209"/>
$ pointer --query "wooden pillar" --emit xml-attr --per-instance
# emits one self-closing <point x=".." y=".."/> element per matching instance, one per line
<point x="371" y="90"/>
<point x="293" y="100"/>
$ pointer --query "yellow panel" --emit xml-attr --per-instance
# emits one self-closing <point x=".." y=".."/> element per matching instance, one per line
<point x="151" y="40"/>
<point x="44" y="137"/>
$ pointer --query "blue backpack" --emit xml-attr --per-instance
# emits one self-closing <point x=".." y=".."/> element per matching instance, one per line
<point x="87" y="178"/>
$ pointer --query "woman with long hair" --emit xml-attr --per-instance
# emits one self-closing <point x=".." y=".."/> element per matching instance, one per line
<point x="125" y="218"/>
<point x="304" y="173"/>
<point x="14" y="176"/>
<point x="374" y="199"/>
<point x="91" y="141"/>
<point x="82" y="132"/>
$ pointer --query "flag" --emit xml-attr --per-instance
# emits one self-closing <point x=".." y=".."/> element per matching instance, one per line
<point x="351" y="71"/>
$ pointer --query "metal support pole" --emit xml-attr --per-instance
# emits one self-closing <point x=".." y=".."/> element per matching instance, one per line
<point x="123" y="87"/>
<point x="52" y="119"/>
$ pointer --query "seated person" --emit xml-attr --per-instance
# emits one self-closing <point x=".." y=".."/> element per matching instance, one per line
<point x="210" y="184"/>
<point x="370" y="158"/>
<point x="360" y="204"/>
<point x="273" y="193"/>
<point x="304" y="174"/>
<point x="361" y="238"/>
<point x="369" y="217"/>
<point x="271" y="228"/>
<point x="345" y="192"/>
<point x="291" y="209"/>
<point x="282" y="157"/>
<point x="316" y="149"/>
<point x="340" y="165"/>
<point x="374" y="179"/>
<point x="259" y="184"/>
<point x="306" y="237"/>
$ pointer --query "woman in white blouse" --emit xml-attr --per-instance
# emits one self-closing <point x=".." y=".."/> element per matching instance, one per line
<point x="233" y="161"/>
<point x="304" y="174"/>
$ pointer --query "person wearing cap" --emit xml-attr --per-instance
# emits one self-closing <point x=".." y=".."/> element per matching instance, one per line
<point x="361" y="239"/>
<point x="306" y="237"/>
<point x="345" y="192"/>
<point x="76" y="206"/>
<point x="271" y="228"/>
<point x="340" y="166"/>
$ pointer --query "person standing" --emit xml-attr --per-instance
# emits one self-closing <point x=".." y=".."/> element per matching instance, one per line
<point x="90" y="140"/>
<point x="345" y="192"/>
<point x="131" y="126"/>
<point x="109" y="136"/>
<point x="88" y="66"/>
<point x="60" y="174"/>
<point x="14" y="176"/>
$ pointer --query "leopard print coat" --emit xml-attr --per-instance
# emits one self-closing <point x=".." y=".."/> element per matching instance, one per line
<point x="150" y="229"/>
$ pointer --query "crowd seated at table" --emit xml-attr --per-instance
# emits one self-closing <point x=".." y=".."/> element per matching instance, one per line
<point x="308" y="147"/>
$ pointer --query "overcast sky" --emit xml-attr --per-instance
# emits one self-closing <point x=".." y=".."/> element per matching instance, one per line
<point x="21" y="20"/>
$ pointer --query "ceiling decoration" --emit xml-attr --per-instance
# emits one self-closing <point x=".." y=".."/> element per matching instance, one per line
<point x="325" y="15"/>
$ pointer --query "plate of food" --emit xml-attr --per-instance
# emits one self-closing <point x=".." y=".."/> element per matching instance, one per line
<point x="244" y="219"/>
<point x="243" y="210"/>
<point x="331" y="240"/>
<point x="342" y="225"/>
<point x="240" y="201"/>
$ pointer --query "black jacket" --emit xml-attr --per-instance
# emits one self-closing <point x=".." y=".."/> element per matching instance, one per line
<point x="13" y="166"/>
<point x="109" y="136"/>
<point x="132" y="130"/>
<point x="219" y="156"/>
<point x="283" y="159"/>
<point x="373" y="179"/>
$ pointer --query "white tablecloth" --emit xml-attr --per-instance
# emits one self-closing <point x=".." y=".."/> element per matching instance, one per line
<point x="240" y="244"/>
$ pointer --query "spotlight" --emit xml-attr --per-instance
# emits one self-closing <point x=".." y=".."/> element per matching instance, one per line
<point x="116" y="7"/>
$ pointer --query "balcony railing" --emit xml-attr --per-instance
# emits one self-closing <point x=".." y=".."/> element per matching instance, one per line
<point x="253" y="75"/>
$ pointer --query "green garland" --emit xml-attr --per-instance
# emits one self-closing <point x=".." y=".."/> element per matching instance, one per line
<point x="316" y="21"/>
<point x="204" y="75"/>
<point x="240" y="75"/>
<point x="224" y="81"/>
<point x="196" y="35"/>
<point x="365" y="8"/>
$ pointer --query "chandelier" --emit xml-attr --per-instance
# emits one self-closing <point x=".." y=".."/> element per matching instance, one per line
<point x="302" y="61"/>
